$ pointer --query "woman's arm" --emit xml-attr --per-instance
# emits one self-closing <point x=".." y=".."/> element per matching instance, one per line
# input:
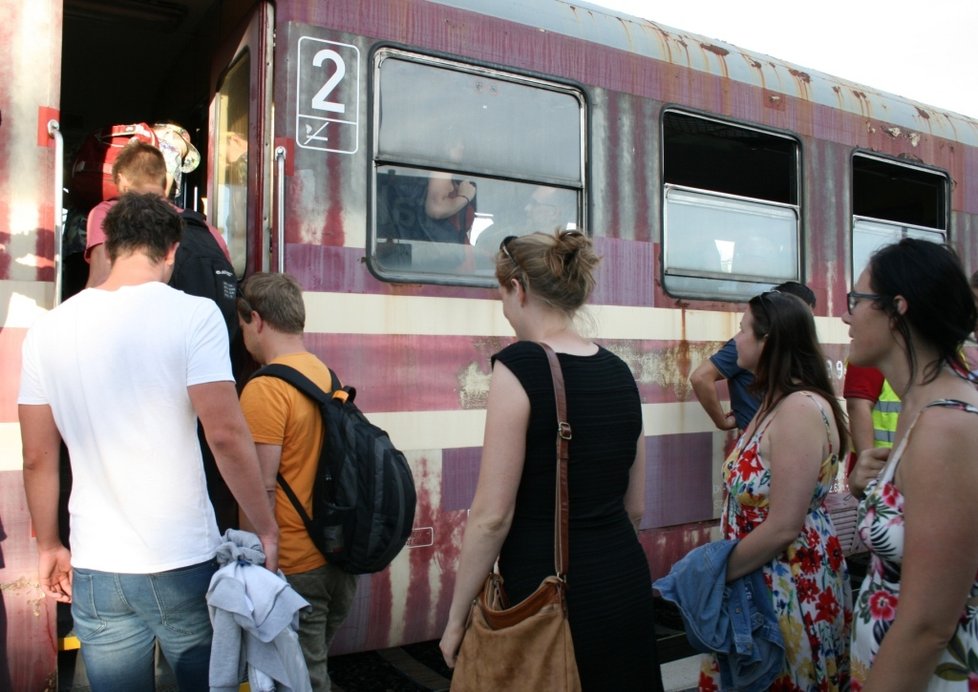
<point x="938" y="477"/>
<point x="504" y="446"/>
<point x="868" y="465"/>
<point x="635" y="494"/>
<point x="443" y="199"/>
<point x="794" y="446"/>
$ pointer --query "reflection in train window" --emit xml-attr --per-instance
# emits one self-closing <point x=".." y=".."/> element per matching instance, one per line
<point x="892" y="200"/>
<point x="731" y="223"/>
<point x="464" y="157"/>
<point x="230" y="209"/>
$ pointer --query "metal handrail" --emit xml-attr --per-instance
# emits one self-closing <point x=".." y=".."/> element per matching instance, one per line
<point x="54" y="131"/>
<point x="280" y="208"/>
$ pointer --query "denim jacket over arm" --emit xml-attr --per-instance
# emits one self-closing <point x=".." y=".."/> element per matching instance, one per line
<point x="736" y="620"/>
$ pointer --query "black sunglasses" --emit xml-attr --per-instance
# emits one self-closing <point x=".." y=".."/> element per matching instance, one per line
<point x="853" y="298"/>
<point x="503" y="248"/>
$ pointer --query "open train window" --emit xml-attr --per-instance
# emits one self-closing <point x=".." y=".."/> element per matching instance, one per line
<point x="893" y="200"/>
<point x="731" y="224"/>
<point x="463" y="157"/>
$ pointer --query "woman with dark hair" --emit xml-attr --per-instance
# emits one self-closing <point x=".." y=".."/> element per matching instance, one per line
<point x="777" y="478"/>
<point x="916" y="619"/>
<point x="543" y="281"/>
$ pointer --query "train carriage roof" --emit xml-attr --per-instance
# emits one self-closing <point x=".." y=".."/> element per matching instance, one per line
<point x="645" y="38"/>
<point x="95" y="25"/>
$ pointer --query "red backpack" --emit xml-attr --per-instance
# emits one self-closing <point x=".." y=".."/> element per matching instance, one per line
<point x="91" y="173"/>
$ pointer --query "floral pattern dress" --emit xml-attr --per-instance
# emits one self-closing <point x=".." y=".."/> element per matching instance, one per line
<point x="880" y="520"/>
<point x="809" y="582"/>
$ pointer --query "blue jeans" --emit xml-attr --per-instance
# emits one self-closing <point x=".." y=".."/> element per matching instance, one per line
<point x="118" y="617"/>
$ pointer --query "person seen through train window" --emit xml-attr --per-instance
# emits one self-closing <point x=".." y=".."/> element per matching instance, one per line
<point x="449" y="203"/>
<point x="916" y="618"/>
<point x="777" y="478"/>
<point x="544" y="280"/>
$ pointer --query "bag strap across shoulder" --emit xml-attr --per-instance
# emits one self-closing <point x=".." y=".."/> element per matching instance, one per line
<point x="314" y="392"/>
<point x="561" y="500"/>
<point x="300" y="381"/>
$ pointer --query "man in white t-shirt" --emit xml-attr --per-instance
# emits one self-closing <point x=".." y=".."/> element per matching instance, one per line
<point x="121" y="373"/>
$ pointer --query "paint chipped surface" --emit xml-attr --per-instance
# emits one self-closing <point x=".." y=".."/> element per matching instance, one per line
<point x="667" y="365"/>
<point x="27" y="589"/>
<point x="473" y="387"/>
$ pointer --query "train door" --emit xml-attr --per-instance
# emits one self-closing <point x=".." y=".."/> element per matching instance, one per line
<point x="239" y="180"/>
<point x="30" y="75"/>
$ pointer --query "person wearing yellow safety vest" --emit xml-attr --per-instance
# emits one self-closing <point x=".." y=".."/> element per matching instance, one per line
<point x="873" y="409"/>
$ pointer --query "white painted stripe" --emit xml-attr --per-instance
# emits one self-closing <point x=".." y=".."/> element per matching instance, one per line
<point x="350" y="313"/>
<point x="22" y="302"/>
<point x="432" y="430"/>
<point x="832" y="330"/>
<point x="11" y="457"/>
<point x="422" y="430"/>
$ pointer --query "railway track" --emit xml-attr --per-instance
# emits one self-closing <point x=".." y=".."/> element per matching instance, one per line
<point x="412" y="668"/>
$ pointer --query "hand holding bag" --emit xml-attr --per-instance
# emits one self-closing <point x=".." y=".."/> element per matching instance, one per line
<point x="527" y="646"/>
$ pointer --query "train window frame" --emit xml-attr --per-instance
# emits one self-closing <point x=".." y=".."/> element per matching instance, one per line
<point x="558" y="188"/>
<point x="706" y="188"/>
<point x="871" y="231"/>
<point x="224" y="203"/>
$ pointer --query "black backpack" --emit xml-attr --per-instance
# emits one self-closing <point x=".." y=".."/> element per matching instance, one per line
<point x="363" y="497"/>
<point x="202" y="269"/>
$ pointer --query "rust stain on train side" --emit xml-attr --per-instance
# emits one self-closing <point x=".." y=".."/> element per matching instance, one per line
<point x="801" y="75"/>
<point x="667" y="367"/>
<point x="666" y="546"/>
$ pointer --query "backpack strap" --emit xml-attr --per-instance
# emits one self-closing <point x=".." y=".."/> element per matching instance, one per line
<point x="314" y="392"/>
<point x="298" y="380"/>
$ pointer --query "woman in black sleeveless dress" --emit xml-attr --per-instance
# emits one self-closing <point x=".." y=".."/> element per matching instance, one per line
<point x="544" y="279"/>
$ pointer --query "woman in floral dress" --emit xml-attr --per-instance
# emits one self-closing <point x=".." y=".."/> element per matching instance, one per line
<point x="916" y="619"/>
<point x="776" y="480"/>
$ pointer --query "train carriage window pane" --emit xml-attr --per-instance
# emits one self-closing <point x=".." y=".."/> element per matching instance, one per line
<point x="431" y="115"/>
<point x="893" y="200"/>
<point x="739" y="245"/>
<point x="464" y="158"/>
<point x="230" y="208"/>
<point x="869" y="235"/>
<point x="731" y="223"/>
<point x="409" y="240"/>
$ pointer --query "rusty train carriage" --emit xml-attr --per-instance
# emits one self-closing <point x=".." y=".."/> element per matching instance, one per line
<point x="676" y="153"/>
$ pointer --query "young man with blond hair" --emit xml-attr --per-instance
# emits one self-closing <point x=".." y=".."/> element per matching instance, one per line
<point x="288" y="432"/>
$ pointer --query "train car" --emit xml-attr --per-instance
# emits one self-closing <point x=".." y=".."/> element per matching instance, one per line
<point x="703" y="172"/>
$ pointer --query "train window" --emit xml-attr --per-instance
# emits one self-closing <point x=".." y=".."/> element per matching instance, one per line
<point x="464" y="157"/>
<point x="731" y="223"/>
<point x="231" y="160"/>
<point x="892" y="200"/>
